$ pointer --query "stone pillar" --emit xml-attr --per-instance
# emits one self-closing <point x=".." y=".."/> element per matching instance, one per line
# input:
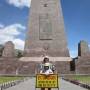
<point x="83" y="48"/>
<point x="8" y="50"/>
<point x="83" y="61"/>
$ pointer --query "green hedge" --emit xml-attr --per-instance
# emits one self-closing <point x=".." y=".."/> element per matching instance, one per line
<point x="7" y="79"/>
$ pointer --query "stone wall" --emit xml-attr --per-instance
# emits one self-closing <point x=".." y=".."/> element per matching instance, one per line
<point x="83" y="65"/>
<point x="83" y="60"/>
<point x="83" y="49"/>
<point x="8" y="65"/>
<point x="13" y="66"/>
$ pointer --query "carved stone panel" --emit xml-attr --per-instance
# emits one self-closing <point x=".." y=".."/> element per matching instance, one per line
<point x="45" y="27"/>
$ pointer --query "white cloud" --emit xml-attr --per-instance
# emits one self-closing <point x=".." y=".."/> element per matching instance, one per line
<point x="73" y="53"/>
<point x="89" y="45"/>
<point x="10" y="33"/>
<point x="1" y="25"/>
<point x="20" y="3"/>
<point x="14" y="29"/>
<point x="19" y="44"/>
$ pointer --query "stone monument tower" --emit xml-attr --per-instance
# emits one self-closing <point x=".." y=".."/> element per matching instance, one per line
<point x="46" y="35"/>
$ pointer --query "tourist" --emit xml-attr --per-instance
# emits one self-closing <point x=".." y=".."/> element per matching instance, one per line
<point x="46" y="67"/>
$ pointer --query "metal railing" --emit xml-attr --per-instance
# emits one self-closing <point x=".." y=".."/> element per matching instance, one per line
<point x="11" y="83"/>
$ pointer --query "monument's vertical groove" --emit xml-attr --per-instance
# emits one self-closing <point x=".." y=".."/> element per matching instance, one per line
<point x="46" y="34"/>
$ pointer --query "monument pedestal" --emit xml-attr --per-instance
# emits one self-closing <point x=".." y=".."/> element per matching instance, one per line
<point x="62" y="64"/>
<point x="40" y="59"/>
<point x="83" y="65"/>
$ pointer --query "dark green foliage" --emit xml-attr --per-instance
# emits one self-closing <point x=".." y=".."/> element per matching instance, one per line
<point x="18" y="53"/>
<point x="1" y="49"/>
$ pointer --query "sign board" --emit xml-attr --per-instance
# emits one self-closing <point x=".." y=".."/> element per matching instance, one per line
<point x="46" y="81"/>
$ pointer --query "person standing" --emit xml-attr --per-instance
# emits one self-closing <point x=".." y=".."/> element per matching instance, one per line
<point x="46" y="68"/>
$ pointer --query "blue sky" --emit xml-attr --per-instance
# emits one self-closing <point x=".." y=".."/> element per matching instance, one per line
<point x="14" y="19"/>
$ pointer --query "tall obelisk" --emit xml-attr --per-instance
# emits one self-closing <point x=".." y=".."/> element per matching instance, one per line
<point x="46" y="35"/>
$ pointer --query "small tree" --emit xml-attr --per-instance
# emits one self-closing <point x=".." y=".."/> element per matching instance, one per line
<point x="18" y="53"/>
<point x="1" y="49"/>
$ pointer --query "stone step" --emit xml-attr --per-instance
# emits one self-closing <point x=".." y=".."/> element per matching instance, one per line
<point x="26" y="59"/>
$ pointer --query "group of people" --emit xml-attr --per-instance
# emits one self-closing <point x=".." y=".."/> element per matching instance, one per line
<point x="46" y="67"/>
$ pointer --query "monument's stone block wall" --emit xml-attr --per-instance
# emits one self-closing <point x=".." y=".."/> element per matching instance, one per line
<point x="83" y="65"/>
<point x="12" y="66"/>
<point x="63" y="67"/>
<point x="8" y="66"/>
<point x="83" y="60"/>
<point x="9" y="50"/>
<point x="30" y="68"/>
<point x="46" y="35"/>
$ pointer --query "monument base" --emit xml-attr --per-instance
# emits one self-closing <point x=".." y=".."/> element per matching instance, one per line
<point x="83" y="65"/>
<point x="62" y="64"/>
<point x="29" y="65"/>
<point x="40" y="59"/>
<point x="8" y="66"/>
